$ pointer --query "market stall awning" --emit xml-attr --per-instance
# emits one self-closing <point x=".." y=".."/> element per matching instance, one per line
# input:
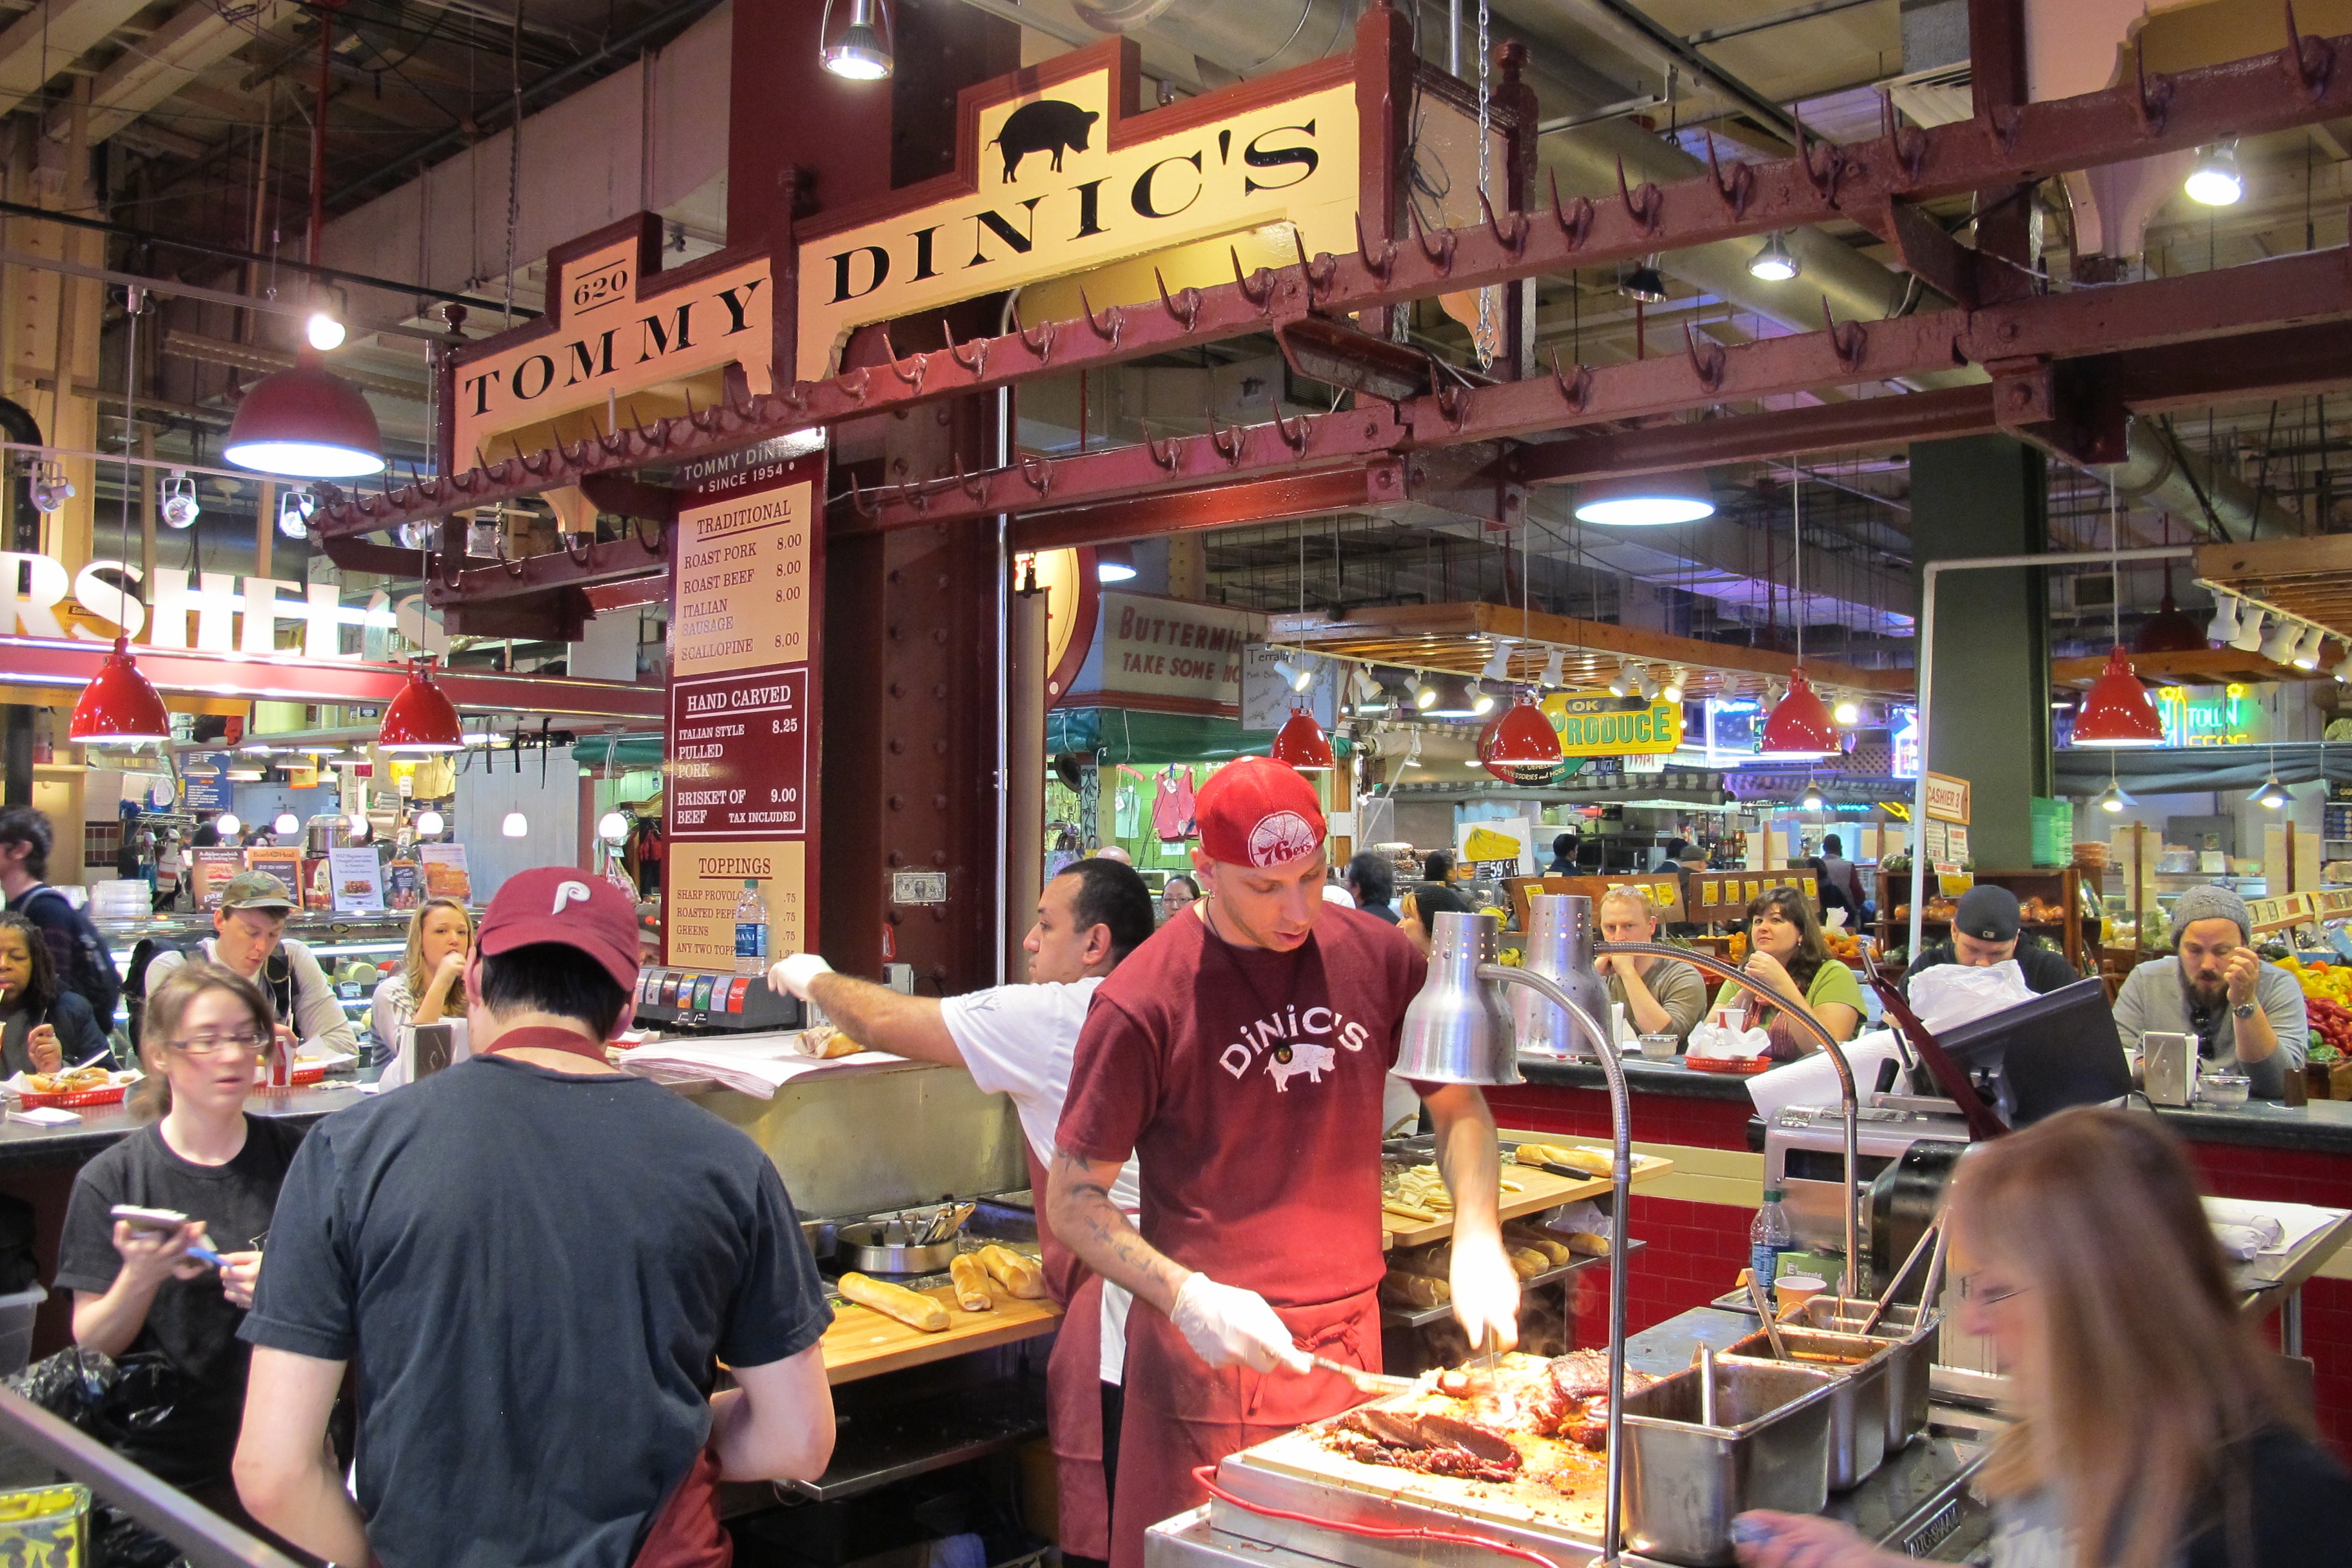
<point x="1147" y="739"/>
<point x="1459" y="639"/>
<point x="2189" y="769"/>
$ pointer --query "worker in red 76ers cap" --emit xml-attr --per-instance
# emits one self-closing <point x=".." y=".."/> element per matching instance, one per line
<point x="1240" y="1055"/>
<point x="538" y="1262"/>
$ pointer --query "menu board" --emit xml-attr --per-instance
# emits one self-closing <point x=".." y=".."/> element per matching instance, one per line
<point x="358" y="878"/>
<point x="739" y="804"/>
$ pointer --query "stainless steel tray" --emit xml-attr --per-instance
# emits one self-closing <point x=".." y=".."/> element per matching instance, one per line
<point x="1917" y="1339"/>
<point x="1858" y="1419"/>
<point x="1685" y="1482"/>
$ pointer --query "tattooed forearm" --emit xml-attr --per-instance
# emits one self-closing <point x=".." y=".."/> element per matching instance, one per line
<point x="1079" y="1208"/>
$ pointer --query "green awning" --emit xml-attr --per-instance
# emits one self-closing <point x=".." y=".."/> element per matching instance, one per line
<point x="1147" y="740"/>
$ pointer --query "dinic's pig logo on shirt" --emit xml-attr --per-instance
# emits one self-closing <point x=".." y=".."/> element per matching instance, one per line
<point x="1293" y="1042"/>
<point x="1281" y="837"/>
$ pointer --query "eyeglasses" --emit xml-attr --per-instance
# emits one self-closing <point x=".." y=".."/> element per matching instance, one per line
<point x="220" y="1045"/>
<point x="1996" y="1295"/>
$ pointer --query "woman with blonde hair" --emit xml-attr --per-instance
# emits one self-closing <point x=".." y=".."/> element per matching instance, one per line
<point x="1788" y="953"/>
<point x="159" y="1287"/>
<point x="2152" y="1427"/>
<point x="440" y="935"/>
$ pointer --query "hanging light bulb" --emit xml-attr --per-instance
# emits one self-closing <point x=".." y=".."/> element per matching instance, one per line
<point x="325" y="333"/>
<point x="50" y="488"/>
<point x="2249" y="630"/>
<point x="227" y="825"/>
<point x="1644" y="283"/>
<point x="514" y="826"/>
<point x="2117" y="711"/>
<point x="2271" y="796"/>
<point x="1302" y="744"/>
<point x="1848" y="712"/>
<point x="1453" y="699"/>
<point x="1799" y="724"/>
<point x="859" y="50"/>
<point x="430" y="824"/>
<point x="2223" y="627"/>
<point x="2306" y="652"/>
<point x="119" y="708"/>
<point x="358" y="823"/>
<point x="1811" y="800"/>
<point x="2279" y="647"/>
<point x="1644" y="686"/>
<point x="2114" y="798"/>
<point x="1621" y="684"/>
<point x="2343" y="673"/>
<point x="1424" y="693"/>
<point x="180" y="505"/>
<point x="1499" y="664"/>
<point x="1555" y="674"/>
<point x="287" y="823"/>
<point x="1776" y="263"/>
<point x="1647" y="501"/>
<point x="1482" y="703"/>
<point x="2216" y="180"/>
<point x="613" y="828"/>
<point x="294" y="514"/>
<point x="1370" y="698"/>
<point x="1672" y="689"/>
<point x="1114" y="563"/>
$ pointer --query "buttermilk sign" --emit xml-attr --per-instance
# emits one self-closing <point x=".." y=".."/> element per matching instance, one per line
<point x="1054" y="178"/>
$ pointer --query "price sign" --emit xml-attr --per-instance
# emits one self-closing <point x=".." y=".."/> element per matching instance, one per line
<point x="742" y="702"/>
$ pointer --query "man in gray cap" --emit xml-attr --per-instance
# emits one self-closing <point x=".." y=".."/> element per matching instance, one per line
<point x="1985" y="931"/>
<point x="2247" y="1015"/>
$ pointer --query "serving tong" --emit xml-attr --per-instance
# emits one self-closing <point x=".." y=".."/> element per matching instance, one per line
<point x="926" y="1227"/>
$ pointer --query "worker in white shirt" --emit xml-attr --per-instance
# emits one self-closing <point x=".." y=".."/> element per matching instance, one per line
<point x="1017" y="1040"/>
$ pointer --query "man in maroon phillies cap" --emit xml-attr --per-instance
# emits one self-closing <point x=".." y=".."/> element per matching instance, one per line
<point x="1240" y="1054"/>
<point x="535" y="1261"/>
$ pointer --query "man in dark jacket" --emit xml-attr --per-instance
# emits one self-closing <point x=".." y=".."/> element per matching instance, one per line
<point x="1371" y="880"/>
<point x="1986" y="931"/>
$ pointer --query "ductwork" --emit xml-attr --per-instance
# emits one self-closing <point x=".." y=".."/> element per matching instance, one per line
<point x="1251" y="39"/>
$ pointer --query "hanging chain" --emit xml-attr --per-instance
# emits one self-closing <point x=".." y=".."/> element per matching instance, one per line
<point x="1484" y="340"/>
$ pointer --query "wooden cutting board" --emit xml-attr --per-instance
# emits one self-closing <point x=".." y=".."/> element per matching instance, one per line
<point x="863" y="1343"/>
<point x="1538" y="1190"/>
<point x="1559" y="1494"/>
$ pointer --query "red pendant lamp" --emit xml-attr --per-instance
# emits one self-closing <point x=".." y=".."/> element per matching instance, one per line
<point x="119" y="708"/>
<point x="421" y="717"/>
<point x="1302" y="744"/>
<point x="2117" y="711"/>
<point x="1520" y="746"/>
<point x="1799" y="725"/>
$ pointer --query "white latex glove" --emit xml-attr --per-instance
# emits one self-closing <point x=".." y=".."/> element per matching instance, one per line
<point x="795" y="972"/>
<point x="1485" y="1293"/>
<point x="1225" y="1325"/>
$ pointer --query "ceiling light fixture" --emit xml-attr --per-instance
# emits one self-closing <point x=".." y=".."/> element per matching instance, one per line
<point x="227" y="825"/>
<point x="2306" y="652"/>
<point x="430" y="824"/>
<point x="1114" y="563"/>
<point x="613" y="828"/>
<point x="1645" y="686"/>
<point x="1650" y="501"/>
<point x="1555" y="674"/>
<point x="1453" y="699"/>
<point x="1848" y="712"/>
<point x="294" y="514"/>
<point x="324" y="333"/>
<point x="2223" y="627"/>
<point x="1799" y="725"/>
<point x="2272" y="795"/>
<point x="2114" y="798"/>
<point x="2216" y="180"/>
<point x="1499" y="664"/>
<point x="305" y="423"/>
<point x="2117" y="711"/>
<point x="120" y="707"/>
<point x="1520" y="746"/>
<point x="1812" y="799"/>
<point x="1422" y="691"/>
<point x="1776" y="263"/>
<point x="287" y="823"/>
<point x="859" y="51"/>
<point x="1302" y="744"/>
<point x="2279" y="647"/>
<point x="1621" y="682"/>
<point x="2249" y="630"/>
<point x="515" y="825"/>
<point x="2343" y="671"/>
<point x="421" y="717"/>
<point x="1644" y="283"/>
<point x="1673" y="690"/>
<point x="181" y="507"/>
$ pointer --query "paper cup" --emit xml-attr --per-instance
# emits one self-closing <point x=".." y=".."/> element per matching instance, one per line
<point x="1791" y="1291"/>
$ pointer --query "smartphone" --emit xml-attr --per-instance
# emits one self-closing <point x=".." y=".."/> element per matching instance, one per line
<point x="163" y="1221"/>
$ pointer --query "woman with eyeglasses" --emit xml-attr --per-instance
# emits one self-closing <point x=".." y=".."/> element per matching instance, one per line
<point x="2152" y="1428"/>
<point x="153" y="1288"/>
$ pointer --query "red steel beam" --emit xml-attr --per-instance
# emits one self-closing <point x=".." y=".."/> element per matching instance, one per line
<point x="1783" y="432"/>
<point x="2292" y="87"/>
<point x="611" y="563"/>
<point x="1180" y="511"/>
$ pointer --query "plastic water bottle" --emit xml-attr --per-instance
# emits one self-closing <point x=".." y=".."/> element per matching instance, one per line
<point x="1769" y="1235"/>
<point x="751" y="935"/>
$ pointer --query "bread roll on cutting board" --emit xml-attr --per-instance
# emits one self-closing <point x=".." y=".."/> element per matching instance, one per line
<point x="971" y="1283"/>
<point x="911" y="1307"/>
<point x="1020" y="1276"/>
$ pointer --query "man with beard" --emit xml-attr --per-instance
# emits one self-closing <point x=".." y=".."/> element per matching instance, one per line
<point x="2247" y="1015"/>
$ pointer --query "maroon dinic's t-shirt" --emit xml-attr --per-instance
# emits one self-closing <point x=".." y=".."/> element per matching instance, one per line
<point x="1248" y="1085"/>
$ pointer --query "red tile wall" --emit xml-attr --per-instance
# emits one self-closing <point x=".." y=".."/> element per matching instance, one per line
<point x="1694" y="1251"/>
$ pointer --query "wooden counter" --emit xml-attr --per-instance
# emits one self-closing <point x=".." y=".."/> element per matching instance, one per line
<point x="863" y="1343"/>
<point x="1538" y="1190"/>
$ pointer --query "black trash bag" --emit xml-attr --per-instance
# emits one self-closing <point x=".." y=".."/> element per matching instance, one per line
<point x="108" y="1400"/>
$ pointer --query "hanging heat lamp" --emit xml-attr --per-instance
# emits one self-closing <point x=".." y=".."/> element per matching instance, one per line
<point x="2117" y="711"/>
<point x="2171" y="629"/>
<point x="421" y="717"/>
<point x="120" y="707"/>
<point x="1302" y="744"/>
<point x="1800" y="724"/>
<point x="1520" y="746"/>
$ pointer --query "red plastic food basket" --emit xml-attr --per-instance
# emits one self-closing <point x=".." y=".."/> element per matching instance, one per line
<point x="29" y="1100"/>
<point x="1731" y="1066"/>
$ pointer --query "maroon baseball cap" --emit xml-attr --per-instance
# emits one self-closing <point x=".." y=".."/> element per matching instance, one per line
<point x="1258" y="812"/>
<point x="573" y="909"/>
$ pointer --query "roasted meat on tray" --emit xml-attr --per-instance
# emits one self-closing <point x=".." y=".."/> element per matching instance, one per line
<point x="1463" y="1424"/>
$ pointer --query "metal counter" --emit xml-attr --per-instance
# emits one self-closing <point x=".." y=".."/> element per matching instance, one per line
<point x="1918" y="1503"/>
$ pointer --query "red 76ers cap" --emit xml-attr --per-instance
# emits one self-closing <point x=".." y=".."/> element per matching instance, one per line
<point x="1258" y="812"/>
<point x="573" y="909"/>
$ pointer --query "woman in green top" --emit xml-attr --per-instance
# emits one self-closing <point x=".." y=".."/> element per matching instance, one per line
<point x="1788" y="954"/>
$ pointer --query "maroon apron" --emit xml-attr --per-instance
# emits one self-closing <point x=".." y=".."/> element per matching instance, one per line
<point x="1181" y="1412"/>
<point x="685" y="1532"/>
<point x="1073" y="1387"/>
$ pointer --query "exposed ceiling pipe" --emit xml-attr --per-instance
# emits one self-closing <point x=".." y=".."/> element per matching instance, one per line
<point x="1242" y="39"/>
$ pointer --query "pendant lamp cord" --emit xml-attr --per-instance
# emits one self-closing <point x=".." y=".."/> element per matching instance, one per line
<point x="1797" y="536"/>
<point x="134" y="304"/>
<point x="2115" y="564"/>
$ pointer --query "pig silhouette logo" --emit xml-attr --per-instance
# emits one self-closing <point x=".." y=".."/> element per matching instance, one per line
<point x="1289" y="1061"/>
<point x="1048" y="125"/>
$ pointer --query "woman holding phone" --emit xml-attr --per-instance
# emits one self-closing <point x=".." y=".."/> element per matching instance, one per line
<point x="44" y="1027"/>
<point x="182" y="1288"/>
<point x="2153" y="1429"/>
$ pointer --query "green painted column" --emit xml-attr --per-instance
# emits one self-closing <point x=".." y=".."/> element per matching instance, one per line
<point x="1989" y="716"/>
